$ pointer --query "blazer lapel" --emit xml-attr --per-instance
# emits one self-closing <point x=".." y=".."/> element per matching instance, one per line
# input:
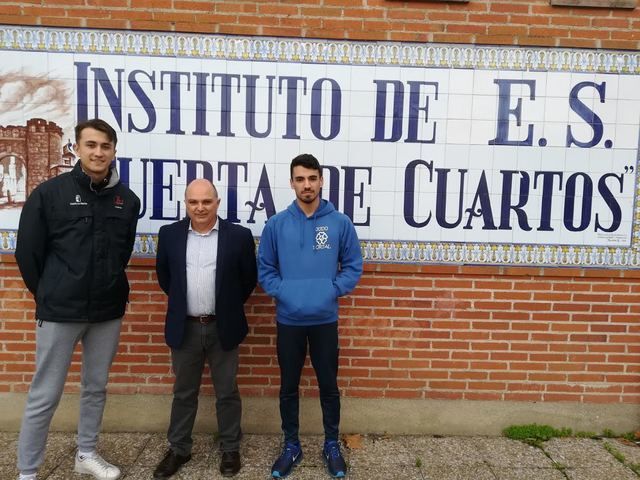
<point x="181" y="246"/>
<point x="222" y="243"/>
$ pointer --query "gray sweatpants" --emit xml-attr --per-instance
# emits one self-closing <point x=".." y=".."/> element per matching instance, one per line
<point x="55" y="343"/>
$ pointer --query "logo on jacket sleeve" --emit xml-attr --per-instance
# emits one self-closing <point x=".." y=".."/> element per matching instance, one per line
<point x="322" y="238"/>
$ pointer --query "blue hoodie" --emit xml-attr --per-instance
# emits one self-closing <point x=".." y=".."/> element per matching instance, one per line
<point x="306" y="263"/>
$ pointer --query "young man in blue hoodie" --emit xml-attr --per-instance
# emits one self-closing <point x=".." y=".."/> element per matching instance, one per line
<point x="309" y="256"/>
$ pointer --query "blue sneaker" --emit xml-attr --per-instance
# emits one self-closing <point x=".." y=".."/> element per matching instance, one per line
<point x="290" y="457"/>
<point x="333" y="459"/>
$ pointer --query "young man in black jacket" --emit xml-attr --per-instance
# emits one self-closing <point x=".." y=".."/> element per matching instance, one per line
<point x="75" y="237"/>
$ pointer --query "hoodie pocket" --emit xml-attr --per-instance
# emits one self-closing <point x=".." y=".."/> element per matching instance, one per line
<point x="307" y="299"/>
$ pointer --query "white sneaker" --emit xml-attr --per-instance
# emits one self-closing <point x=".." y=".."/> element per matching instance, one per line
<point x="31" y="476"/>
<point x="97" y="466"/>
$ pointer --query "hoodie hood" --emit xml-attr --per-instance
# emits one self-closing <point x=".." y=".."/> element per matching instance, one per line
<point x="325" y="208"/>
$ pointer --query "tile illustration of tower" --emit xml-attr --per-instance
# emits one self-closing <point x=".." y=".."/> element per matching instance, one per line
<point x="30" y="155"/>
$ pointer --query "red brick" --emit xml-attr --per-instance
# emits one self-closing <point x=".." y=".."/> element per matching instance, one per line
<point x="561" y="397"/>
<point x="482" y="396"/>
<point x="447" y="385"/>
<point x="590" y="35"/>
<point x="572" y="307"/>
<point x="366" y="12"/>
<point x="436" y="395"/>
<point x="510" y="7"/>
<point x="589" y="317"/>
<point x="483" y="325"/>
<point x="510" y="336"/>
<point x="571" y="21"/>
<point x="551" y="296"/>
<point x="488" y="305"/>
<point x="466" y="28"/>
<point x="407" y="14"/>
<point x="191" y="5"/>
<point x="571" y="287"/>
<point x="529" y="19"/>
<point x="611" y="367"/>
<point x="606" y="348"/>
<point x="548" y="357"/>
<point x="608" y="328"/>
<point x="507" y="376"/>
<point x="488" y="18"/>
<point x="453" y="38"/>
<point x="601" y="398"/>
<point x="523" y="397"/>
<point x="513" y="30"/>
<point x="547" y="377"/>
<point x="550" y="316"/>
<point x="449" y="345"/>
<point x="487" y="385"/>
<point x="508" y="356"/>
<point x="447" y="16"/>
<point x="528" y="366"/>
<point x="529" y="347"/>
<point x="571" y="347"/>
<point x="470" y="335"/>
<point x="623" y="378"/>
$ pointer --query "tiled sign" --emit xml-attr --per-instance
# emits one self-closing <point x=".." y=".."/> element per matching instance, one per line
<point x="438" y="153"/>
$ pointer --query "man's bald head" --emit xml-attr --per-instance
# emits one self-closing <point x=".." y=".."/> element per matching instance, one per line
<point x="200" y="184"/>
<point x="202" y="202"/>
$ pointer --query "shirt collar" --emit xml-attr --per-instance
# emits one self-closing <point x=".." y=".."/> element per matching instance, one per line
<point x="216" y="227"/>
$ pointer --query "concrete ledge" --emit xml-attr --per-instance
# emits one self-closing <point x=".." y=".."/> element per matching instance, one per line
<point x="150" y="413"/>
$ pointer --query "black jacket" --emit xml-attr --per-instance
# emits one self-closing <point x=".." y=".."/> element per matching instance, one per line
<point x="236" y="276"/>
<point x="73" y="246"/>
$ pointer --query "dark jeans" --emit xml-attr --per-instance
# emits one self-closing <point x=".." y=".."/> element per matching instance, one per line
<point x="292" y="351"/>
<point x="200" y="344"/>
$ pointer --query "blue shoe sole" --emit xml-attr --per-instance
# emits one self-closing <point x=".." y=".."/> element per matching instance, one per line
<point x="339" y="474"/>
<point x="295" y="463"/>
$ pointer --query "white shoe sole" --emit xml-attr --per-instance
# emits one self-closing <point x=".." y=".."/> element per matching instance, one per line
<point x="82" y="471"/>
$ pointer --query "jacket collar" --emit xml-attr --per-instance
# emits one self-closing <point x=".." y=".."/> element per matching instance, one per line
<point x="85" y="180"/>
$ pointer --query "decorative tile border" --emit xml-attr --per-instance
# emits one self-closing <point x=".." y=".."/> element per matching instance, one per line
<point x="380" y="251"/>
<point x="318" y="51"/>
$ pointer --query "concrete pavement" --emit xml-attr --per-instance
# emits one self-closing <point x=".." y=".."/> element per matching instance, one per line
<point x="371" y="457"/>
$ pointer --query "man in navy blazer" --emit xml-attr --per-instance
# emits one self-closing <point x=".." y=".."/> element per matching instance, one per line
<point x="207" y="267"/>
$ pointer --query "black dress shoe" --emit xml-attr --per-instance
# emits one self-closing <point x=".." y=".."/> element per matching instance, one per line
<point x="230" y="463"/>
<point x="170" y="464"/>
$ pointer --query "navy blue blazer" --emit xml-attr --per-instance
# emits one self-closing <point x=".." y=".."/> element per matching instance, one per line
<point x="236" y="278"/>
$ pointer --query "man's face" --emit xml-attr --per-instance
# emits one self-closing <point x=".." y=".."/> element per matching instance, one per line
<point x="202" y="205"/>
<point x="306" y="183"/>
<point x="96" y="153"/>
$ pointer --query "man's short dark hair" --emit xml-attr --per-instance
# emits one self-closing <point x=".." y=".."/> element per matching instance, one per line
<point x="101" y="126"/>
<point x="305" y="160"/>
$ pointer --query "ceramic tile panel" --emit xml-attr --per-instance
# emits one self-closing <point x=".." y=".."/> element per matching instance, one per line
<point x="438" y="153"/>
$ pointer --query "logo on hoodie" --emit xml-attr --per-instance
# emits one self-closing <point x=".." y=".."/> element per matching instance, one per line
<point x="322" y="238"/>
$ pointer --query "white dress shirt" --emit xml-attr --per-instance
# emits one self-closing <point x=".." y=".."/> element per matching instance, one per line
<point x="202" y="254"/>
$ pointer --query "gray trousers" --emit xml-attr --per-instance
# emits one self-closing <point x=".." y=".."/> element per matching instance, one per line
<point x="201" y="343"/>
<point x="55" y="343"/>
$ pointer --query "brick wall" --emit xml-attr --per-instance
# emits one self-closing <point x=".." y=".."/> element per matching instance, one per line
<point x="517" y="22"/>
<point x="491" y="333"/>
<point x="475" y="333"/>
